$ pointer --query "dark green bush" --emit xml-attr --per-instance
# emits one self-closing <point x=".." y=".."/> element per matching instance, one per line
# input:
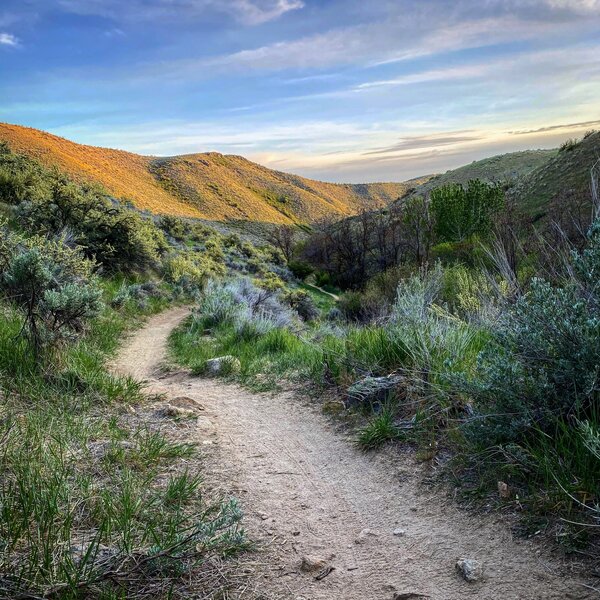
<point x="460" y="213"/>
<point x="302" y="302"/>
<point x="119" y="238"/>
<point x="20" y="178"/>
<point x="176" y="227"/>
<point x="301" y="269"/>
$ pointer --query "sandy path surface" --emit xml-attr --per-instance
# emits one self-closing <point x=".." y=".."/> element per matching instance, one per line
<point x="306" y="490"/>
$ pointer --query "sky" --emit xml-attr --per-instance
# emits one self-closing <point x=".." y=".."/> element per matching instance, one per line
<point x="339" y="90"/>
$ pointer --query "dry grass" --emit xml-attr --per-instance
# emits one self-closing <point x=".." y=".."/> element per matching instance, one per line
<point x="210" y="186"/>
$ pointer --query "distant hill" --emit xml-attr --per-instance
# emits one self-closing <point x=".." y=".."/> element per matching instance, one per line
<point x="211" y="185"/>
<point x="567" y="171"/>
<point x="506" y="168"/>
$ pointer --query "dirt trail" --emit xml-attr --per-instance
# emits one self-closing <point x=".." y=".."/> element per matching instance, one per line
<point x="306" y="490"/>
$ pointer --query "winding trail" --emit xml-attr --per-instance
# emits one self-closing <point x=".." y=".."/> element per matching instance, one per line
<point x="306" y="490"/>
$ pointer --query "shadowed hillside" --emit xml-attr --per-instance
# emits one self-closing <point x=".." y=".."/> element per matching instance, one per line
<point x="210" y="185"/>
<point x="566" y="173"/>
<point x="501" y="168"/>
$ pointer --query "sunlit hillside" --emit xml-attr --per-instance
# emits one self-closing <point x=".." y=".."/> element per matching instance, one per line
<point x="210" y="185"/>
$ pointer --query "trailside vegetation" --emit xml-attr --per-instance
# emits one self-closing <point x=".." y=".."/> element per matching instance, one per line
<point x="459" y="326"/>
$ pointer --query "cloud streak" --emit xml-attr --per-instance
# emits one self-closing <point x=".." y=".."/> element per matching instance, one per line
<point x="250" y="12"/>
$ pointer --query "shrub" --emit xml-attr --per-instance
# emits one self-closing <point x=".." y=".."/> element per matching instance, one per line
<point x="300" y="269"/>
<point x="194" y="268"/>
<point x="51" y="285"/>
<point x="20" y="178"/>
<point x="569" y="145"/>
<point x="545" y="362"/>
<point x="462" y="212"/>
<point x="350" y="305"/>
<point x="302" y="302"/>
<point x="119" y="238"/>
<point x="249" y="309"/>
<point x="173" y="226"/>
<point x="269" y="281"/>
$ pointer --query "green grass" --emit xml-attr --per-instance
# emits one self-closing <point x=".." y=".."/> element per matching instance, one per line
<point x="323" y="301"/>
<point x="380" y="429"/>
<point x="85" y="489"/>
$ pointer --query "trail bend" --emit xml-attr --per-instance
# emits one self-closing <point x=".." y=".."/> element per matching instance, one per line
<point x="306" y="490"/>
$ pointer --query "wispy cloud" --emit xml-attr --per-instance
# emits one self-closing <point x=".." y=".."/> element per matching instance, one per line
<point x="251" y="12"/>
<point x="8" y="39"/>
<point x="425" y="141"/>
<point x="556" y="127"/>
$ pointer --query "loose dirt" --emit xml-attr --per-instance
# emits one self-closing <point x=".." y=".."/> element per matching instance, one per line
<point x="308" y="493"/>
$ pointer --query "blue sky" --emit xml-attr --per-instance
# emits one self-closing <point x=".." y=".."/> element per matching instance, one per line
<point x="341" y="90"/>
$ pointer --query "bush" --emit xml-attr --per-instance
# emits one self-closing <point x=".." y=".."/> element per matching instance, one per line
<point x="462" y="212"/>
<point x="118" y="238"/>
<point x="249" y="309"/>
<point x="173" y="226"/>
<point x="51" y="285"/>
<point x="351" y="306"/>
<point x="300" y="269"/>
<point x="545" y="361"/>
<point x="302" y="302"/>
<point x="193" y="268"/>
<point x="569" y="145"/>
<point x="20" y="178"/>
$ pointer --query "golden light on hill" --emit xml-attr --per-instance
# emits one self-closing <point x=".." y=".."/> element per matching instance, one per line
<point x="210" y="185"/>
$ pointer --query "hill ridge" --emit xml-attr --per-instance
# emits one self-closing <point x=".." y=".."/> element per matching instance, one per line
<point x="209" y="185"/>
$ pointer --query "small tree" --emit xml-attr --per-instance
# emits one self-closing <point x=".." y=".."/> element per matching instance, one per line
<point x="51" y="285"/>
<point x="460" y="212"/>
<point x="284" y="238"/>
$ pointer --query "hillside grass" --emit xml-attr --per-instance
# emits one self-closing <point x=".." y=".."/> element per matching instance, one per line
<point x="209" y="185"/>
<point x="503" y="168"/>
<point x="567" y="172"/>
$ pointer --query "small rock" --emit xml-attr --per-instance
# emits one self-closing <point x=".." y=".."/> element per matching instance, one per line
<point x="102" y="553"/>
<point x="399" y="532"/>
<point x="187" y="402"/>
<point x="312" y="563"/>
<point x="503" y="490"/>
<point x="409" y="596"/>
<point x="223" y="365"/>
<point x="178" y="412"/>
<point x="364" y="535"/>
<point x="470" y="570"/>
<point x="205" y="425"/>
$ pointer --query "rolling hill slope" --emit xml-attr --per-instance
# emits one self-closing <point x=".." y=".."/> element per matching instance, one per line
<point x="210" y="185"/>
<point x="504" y="168"/>
<point x="568" y="171"/>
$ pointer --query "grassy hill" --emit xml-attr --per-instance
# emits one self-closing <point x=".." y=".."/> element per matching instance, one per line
<point x="567" y="171"/>
<point x="209" y="185"/>
<point x="501" y="168"/>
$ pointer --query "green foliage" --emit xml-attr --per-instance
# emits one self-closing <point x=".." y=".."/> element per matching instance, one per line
<point x="193" y="268"/>
<point x="460" y="212"/>
<point x="270" y="282"/>
<point x="173" y="226"/>
<point x="302" y="302"/>
<point x="51" y="285"/>
<point x="301" y="269"/>
<point x="380" y="429"/>
<point x="119" y="238"/>
<point x="570" y="144"/>
<point x="20" y="178"/>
